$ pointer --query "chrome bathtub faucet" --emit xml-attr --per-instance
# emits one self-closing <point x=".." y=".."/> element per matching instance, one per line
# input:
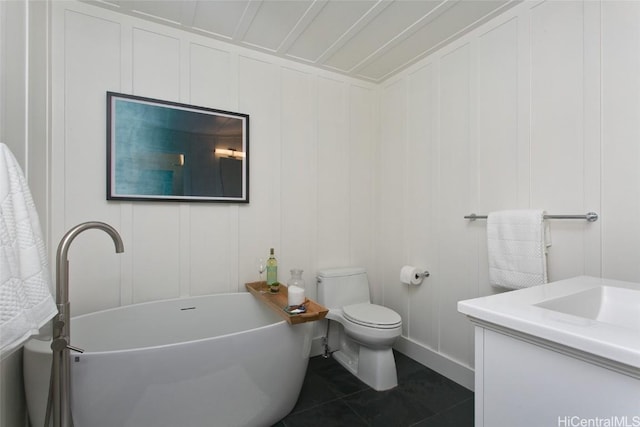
<point x="60" y="384"/>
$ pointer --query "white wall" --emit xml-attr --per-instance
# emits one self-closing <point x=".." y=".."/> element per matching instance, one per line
<point x="12" y="132"/>
<point x="312" y="140"/>
<point x="13" y="79"/>
<point x="23" y="128"/>
<point x="539" y="108"/>
<point x="310" y="146"/>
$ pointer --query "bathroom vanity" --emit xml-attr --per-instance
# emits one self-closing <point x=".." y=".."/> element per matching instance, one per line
<point x="566" y="353"/>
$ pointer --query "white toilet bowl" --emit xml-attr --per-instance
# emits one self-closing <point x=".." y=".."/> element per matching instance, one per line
<point x="368" y="330"/>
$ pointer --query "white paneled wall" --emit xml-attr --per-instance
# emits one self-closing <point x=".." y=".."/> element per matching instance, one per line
<point x="557" y="147"/>
<point x="298" y="171"/>
<point x="455" y="178"/>
<point x="363" y="129"/>
<point x="259" y="91"/>
<point x="497" y="135"/>
<point x="92" y="47"/>
<point x="497" y="126"/>
<point x="539" y="108"/>
<point x="391" y="196"/>
<point x="620" y="149"/>
<point x="422" y="174"/>
<point x="24" y="129"/>
<point x="312" y="141"/>
<point x="531" y="110"/>
<point x="333" y="197"/>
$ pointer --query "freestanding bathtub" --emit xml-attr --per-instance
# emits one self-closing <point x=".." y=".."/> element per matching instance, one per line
<point x="211" y="361"/>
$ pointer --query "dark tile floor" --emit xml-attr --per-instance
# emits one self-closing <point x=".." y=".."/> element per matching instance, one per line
<point x="332" y="397"/>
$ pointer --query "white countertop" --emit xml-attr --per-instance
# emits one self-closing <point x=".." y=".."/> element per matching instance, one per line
<point x="516" y="310"/>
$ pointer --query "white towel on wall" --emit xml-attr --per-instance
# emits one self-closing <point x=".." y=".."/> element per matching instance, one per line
<point x="26" y="303"/>
<point x="517" y="242"/>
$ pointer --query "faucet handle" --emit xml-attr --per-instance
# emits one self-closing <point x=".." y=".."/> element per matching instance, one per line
<point x="76" y="349"/>
<point x="61" y="343"/>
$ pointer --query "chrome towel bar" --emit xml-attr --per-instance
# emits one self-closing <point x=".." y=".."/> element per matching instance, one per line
<point x="589" y="216"/>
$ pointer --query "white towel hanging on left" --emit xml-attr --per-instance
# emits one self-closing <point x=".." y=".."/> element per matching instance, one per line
<point x="26" y="303"/>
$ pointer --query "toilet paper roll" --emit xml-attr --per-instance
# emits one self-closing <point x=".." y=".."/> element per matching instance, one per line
<point x="411" y="275"/>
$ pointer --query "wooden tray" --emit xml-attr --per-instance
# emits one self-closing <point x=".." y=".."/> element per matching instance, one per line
<point x="278" y="302"/>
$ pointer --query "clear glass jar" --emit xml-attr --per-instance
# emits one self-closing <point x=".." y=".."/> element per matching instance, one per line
<point x="295" y="288"/>
<point x="296" y="278"/>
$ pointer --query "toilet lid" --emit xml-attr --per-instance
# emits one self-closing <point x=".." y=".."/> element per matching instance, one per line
<point x="372" y="315"/>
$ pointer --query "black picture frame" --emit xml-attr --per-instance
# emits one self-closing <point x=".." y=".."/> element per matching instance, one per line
<point x="168" y="151"/>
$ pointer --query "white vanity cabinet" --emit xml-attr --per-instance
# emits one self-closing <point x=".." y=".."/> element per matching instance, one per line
<point x="539" y="367"/>
<point x="520" y="381"/>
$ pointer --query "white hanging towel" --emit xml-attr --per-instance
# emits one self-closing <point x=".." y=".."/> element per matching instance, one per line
<point x="517" y="242"/>
<point x="26" y="303"/>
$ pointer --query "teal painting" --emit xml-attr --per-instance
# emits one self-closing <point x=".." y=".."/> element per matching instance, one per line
<point x="162" y="150"/>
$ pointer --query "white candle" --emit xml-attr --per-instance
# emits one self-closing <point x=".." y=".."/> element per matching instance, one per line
<point x="296" y="295"/>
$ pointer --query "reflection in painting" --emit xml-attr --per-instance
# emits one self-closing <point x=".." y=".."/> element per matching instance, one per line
<point x="161" y="150"/>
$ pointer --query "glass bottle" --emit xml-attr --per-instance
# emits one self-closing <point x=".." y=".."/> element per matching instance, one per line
<point x="272" y="273"/>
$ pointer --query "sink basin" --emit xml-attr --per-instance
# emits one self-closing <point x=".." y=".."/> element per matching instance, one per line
<point x="607" y="304"/>
<point x="595" y="317"/>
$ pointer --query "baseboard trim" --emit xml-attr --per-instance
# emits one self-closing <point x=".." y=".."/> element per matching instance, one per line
<point x="439" y="362"/>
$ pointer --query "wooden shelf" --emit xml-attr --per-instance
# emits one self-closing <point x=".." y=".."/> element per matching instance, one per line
<point x="278" y="302"/>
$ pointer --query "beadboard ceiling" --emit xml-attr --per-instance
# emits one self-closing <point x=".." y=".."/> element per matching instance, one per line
<point x="366" y="39"/>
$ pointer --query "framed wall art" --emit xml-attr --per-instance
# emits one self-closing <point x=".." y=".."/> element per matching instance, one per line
<point x="161" y="150"/>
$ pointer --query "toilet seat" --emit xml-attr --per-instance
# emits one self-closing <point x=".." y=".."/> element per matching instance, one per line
<point x="372" y="316"/>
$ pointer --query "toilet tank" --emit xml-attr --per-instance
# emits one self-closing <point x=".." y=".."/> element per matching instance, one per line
<point x="343" y="286"/>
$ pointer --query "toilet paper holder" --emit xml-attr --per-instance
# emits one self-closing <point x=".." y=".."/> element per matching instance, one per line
<point x="413" y="276"/>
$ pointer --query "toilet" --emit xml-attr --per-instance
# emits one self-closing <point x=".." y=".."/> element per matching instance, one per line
<point x="368" y="330"/>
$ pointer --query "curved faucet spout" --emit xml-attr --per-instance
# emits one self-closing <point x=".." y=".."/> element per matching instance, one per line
<point x="60" y="383"/>
<point x="62" y="262"/>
